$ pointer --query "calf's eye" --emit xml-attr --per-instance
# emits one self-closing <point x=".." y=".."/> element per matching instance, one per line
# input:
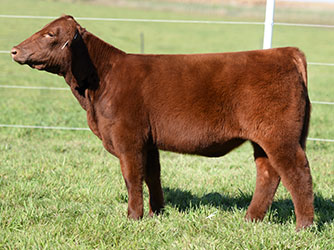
<point x="49" y="34"/>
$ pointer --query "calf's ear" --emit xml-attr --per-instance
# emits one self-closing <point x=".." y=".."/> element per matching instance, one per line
<point x="82" y="66"/>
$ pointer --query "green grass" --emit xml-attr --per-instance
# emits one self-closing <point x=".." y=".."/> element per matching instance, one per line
<point x="62" y="190"/>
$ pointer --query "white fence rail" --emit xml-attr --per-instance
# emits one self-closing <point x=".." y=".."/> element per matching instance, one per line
<point x="87" y="129"/>
<point x="57" y="88"/>
<point x="41" y="127"/>
<point x="169" y="21"/>
<point x="32" y="87"/>
<point x="309" y="63"/>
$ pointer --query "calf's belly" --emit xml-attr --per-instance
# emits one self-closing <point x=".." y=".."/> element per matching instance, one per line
<point x="209" y="149"/>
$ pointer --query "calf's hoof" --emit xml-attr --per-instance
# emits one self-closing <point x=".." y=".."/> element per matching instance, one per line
<point x="304" y="223"/>
<point x="135" y="216"/>
<point x="254" y="217"/>
<point x="157" y="211"/>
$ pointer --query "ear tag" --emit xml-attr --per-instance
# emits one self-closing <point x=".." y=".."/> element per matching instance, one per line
<point x="64" y="45"/>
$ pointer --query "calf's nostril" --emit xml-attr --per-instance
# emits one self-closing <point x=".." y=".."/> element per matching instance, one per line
<point x="13" y="51"/>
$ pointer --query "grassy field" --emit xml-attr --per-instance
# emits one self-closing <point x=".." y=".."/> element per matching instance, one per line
<point x="62" y="190"/>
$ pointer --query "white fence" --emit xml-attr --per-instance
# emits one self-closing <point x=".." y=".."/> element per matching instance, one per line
<point x="331" y="64"/>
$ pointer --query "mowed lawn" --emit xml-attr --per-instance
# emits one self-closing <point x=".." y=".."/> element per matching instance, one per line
<point x="60" y="189"/>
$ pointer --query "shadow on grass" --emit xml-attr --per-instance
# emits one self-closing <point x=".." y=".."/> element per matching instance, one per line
<point x="280" y="212"/>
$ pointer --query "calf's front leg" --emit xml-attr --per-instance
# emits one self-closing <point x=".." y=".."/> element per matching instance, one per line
<point x="133" y="174"/>
<point x="152" y="179"/>
<point x="122" y="142"/>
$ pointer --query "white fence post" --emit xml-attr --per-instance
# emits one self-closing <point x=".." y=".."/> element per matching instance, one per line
<point x="268" y="24"/>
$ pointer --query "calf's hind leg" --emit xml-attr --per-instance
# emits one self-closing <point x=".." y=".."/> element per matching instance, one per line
<point x="291" y="164"/>
<point x="152" y="179"/>
<point x="267" y="181"/>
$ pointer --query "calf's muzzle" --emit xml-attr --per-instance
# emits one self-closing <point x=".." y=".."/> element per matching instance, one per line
<point x="17" y="55"/>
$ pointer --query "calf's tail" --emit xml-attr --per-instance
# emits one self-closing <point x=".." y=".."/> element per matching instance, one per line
<point x="301" y="64"/>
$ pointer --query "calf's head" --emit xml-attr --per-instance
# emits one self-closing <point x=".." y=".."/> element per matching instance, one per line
<point x="47" y="49"/>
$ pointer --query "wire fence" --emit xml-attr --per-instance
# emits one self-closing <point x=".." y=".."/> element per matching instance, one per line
<point x="309" y="63"/>
<point x="176" y="21"/>
<point x="87" y="129"/>
<point x="151" y="21"/>
<point x="171" y="21"/>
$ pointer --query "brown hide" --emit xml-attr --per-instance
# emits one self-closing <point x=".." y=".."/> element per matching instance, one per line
<point x="204" y="104"/>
